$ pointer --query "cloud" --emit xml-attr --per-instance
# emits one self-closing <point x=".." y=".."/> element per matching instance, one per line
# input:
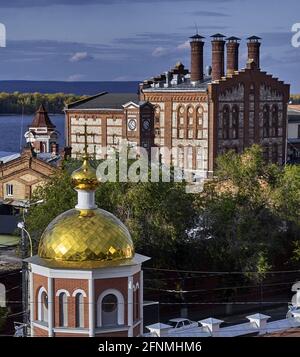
<point x="208" y="13"/>
<point x="47" y="3"/>
<point x="183" y="46"/>
<point x="145" y="39"/>
<point x="159" y="52"/>
<point x="215" y="28"/>
<point x="75" y="77"/>
<point x="80" y="56"/>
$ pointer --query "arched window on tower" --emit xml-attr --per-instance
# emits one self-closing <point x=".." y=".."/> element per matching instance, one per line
<point x="225" y="122"/>
<point x="110" y="308"/>
<point x="235" y="122"/>
<point x="136" y="300"/>
<point x="63" y="309"/>
<point x="266" y="121"/>
<point x="199" y="122"/>
<point x="79" y="310"/>
<point x="42" y="306"/>
<point x="275" y="120"/>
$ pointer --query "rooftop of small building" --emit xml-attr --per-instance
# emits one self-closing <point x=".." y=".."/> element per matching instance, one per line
<point x="49" y="158"/>
<point x="104" y="100"/>
<point x="185" y="85"/>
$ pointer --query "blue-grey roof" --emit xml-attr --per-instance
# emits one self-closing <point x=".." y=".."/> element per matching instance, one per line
<point x="104" y="100"/>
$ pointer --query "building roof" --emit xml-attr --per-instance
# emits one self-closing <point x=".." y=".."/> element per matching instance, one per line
<point x="104" y="100"/>
<point x="292" y="332"/>
<point x="254" y="38"/>
<point x="233" y="38"/>
<point x="197" y="37"/>
<point x="8" y="156"/>
<point x="218" y="35"/>
<point x="41" y="119"/>
<point x="184" y="86"/>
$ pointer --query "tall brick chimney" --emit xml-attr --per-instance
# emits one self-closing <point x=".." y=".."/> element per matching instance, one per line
<point x="253" y="51"/>
<point x="232" y="46"/>
<point x="196" y="58"/>
<point x="217" y="44"/>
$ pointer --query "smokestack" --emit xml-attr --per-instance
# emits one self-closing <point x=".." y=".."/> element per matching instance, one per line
<point x="217" y="56"/>
<point x="232" y="54"/>
<point x="196" y="58"/>
<point x="253" y="51"/>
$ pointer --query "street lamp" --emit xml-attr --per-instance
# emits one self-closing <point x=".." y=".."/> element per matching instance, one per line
<point x="21" y="225"/>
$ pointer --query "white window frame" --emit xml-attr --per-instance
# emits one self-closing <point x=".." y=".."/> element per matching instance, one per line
<point x="121" y="306"/>
<point x="9" y="189"/>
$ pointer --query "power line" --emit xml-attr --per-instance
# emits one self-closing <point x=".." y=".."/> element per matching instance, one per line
<point x="222" y="272"/>
<point x="225" y="288"/>
<point x="168" y="303"/>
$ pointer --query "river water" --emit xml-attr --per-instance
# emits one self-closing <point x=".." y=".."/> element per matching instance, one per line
<point x="12" y="129"/>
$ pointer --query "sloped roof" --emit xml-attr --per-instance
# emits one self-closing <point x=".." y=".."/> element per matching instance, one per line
<point x="41" y="119"/>
<point x="105" y="100"/>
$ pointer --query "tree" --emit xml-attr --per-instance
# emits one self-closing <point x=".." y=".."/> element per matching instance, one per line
<point x="158" y="224"/>
<point x="241" y="213"/>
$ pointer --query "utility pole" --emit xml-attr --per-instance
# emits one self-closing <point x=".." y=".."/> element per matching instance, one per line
<point x="25" y="236"/>
<point x="24" y="253"/>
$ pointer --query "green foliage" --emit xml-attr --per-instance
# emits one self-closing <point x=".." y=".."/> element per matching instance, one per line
<point x="246" y="218"/>
<point x="250" y="211"/>
<point x="12" y="103"/>
<point x="295" y="98"/>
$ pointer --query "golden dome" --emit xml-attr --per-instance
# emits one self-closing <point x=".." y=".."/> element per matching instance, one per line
<point x="85" y="177"/>
<point x="86" y="238"/>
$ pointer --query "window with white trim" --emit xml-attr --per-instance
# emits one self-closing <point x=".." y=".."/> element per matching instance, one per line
<point x="9" y="189"/>
<point x="110" y="310"/>
<point x="63" y="309"/>
<point x="43" y="305"/>
<point x="79" y="310"/>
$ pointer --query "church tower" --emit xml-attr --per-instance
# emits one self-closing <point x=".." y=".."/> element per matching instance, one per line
<point x="41" y="133"/>
<point x="86" y="279"/>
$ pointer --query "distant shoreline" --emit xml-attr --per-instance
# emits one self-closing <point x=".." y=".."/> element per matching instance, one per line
<point x="76" y="88"/>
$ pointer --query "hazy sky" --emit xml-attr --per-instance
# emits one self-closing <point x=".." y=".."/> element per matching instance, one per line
<point x="136" y="39"/>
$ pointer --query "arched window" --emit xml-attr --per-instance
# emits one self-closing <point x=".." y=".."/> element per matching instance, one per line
<point x="180" y="122"/>
<point x="136" y="301"/>
<point x="2" y="295"/>
<point x="190" y="123"/>
<point x="43" y="305"/>
<point x="274" y="153"/>
<point x="225" y="122"/>
<point x="275" y="120"/>
<point x="110" y="308"/>
<point x="157" y="116"/>
<point x="266" y="121"/>
<point x="79" y="310"/>
<point x="235" y="122"/>
<point x="199" y="122"/>
<point x="63" y="309"/>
